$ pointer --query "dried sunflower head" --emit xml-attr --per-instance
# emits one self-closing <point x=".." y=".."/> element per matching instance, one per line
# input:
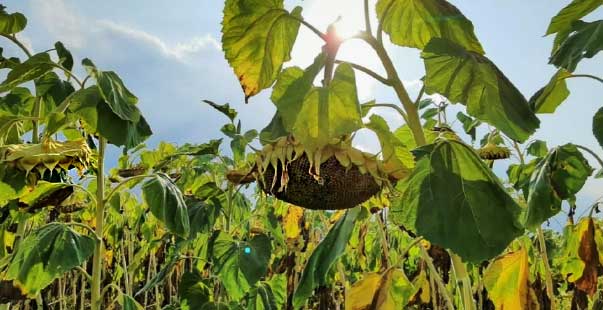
<point x="48" y="155"/>
<point x="493" y="152"/>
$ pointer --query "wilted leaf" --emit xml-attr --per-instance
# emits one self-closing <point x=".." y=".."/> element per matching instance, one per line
<point x="548" y="98"/>
<point x="292" y="222"/>
<point x="257" y="38"/>
<point x="47" y="254"/>
<point x="324" y="256"/>
<point x="454" y="200"/>
<point x="167" y="204"/>
<point x="473" y="80"/>
<point x="413" y="23"/>
<point x="581" y="256"/>
<point x="361" y="295"/>
<point x="388" y="291"/>
<point x="559" y="176"/>
<point x="585" y="41"/>
<point x="506" y="280"/>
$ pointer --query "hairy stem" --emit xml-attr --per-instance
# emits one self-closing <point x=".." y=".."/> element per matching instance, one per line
<point x="367" y="71"/>
<point x="14" y="39"/>
<point x="591" y="152"/>
<point x="413" y="120"/>
<point x="596" y="78"/>
<point x="367" y="18"/>
<point x="97" y="264"/>
<point x="547" y="268"/>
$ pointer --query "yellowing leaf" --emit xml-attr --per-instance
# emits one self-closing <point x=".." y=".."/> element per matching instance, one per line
<point x="391" y="290"/>
<point x="414" y="23"/>
<point x="395" y="291"/>
<point x="506" y="280"/>
<point x="292" y="221"/>
<point x="257" y="38"/>
<point x="581" y="256"/>
<point x="360" y="296"/>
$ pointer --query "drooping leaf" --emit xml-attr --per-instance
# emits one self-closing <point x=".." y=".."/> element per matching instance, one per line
<point x="548" y="98"/>
<point x="113" y="91"/>
<point x="12" y="23"/>
<point x="47" y="254"/>
<point x="324" y="256"/>
<point x="202" y="216"/>
<point x="558" y="177"/>
<point x="413" y="23"/>
<point x="360" y="296"/>
<point x="45" y="194"/>
<point x="127" y="302"/>
<point x="519" y="175"/>
<point x="33" y="68"/>
<point x="274" y="130"/>
<point x="240" y="264"/>
<point x="585" y="41"/>
<point x="100" y="119"/>
<point x="326" y="113"/>
<point x="192" y="291"/>
<point x="538" y="148"/>
<point x="598" y="126"/>
<point x="396" y="157"/>
<point x="65" y="57"/>
<point x="292" y="221"/>
<point x="454" y="200"/>
<point x="291" y="88"/>
<point x="581" y="256"/>
<point x="53" y="90"/>
<point x="469" y="124"/>
<point x="506" y="280"/>
<point x="261" y="297"/>
<point x="239" y="144"/>
<point x="257" y="38"/>
<point x="571" y="13"/>
<point x="473" y="80"/>
<point x="388" y="291"/>
<point x="224" y="109"/>
<point x="167" y="204"/>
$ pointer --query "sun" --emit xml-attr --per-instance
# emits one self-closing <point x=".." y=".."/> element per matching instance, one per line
<point x="348" y="16"/>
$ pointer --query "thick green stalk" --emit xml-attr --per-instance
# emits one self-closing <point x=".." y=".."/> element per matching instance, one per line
<point x="462" y="278"/>
<point x="547" y="268"/>
<point x="413" y="120"/>
<point x="97" y="264"/>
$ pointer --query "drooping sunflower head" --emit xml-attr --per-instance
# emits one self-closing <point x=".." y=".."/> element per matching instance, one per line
<point x="48" y="155"/>
<point x="493" y="152"/>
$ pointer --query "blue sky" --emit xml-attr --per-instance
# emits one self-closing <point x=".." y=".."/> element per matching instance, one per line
<point x="168" y="54"/>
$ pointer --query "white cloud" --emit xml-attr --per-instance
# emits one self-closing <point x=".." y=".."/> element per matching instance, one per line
<point x="61" y="21"/>
<point x="179" y="51"/>
<point x="64" y="23"/>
